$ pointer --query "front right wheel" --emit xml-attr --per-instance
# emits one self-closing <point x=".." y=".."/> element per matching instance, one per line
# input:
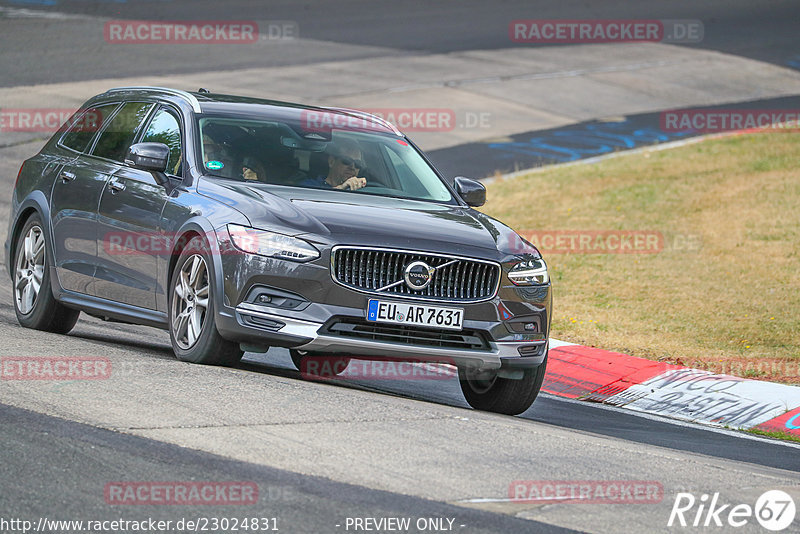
<point x="193" y="334"/>
<point x="490" y="393"/>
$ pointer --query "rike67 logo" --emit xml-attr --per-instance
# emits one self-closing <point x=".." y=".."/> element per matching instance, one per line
<point x="774" y="510"/>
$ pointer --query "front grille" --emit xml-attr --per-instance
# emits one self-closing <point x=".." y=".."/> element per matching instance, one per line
<point x="372" y="270"/>
<point x="409" y="335"/>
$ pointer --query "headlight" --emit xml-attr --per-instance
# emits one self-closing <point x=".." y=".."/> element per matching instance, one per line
<point x="271" y="244"/>
<point x="529" y="273"/>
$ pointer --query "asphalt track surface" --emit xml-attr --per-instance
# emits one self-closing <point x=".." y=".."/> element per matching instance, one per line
<point x="575" y="142"/>
<point x="80" y="457"/>
<point x="763" y="30"/>
<point x="582" y="416"/>
<point x="56" y="466"/>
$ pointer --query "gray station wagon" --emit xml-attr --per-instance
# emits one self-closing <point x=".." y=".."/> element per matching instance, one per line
<point x="242" y="224"/>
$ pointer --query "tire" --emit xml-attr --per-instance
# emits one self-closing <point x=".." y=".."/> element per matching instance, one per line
<point x="36" y="307"/>
<point x="331" y="365"/>
<point x="192" y="330"/>
<point x="502" y="395"/>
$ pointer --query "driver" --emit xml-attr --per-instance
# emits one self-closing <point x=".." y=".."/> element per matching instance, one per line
<point x="344" y="163"/>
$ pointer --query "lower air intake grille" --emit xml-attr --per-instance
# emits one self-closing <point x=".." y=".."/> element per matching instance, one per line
<point x="411" y="335"/>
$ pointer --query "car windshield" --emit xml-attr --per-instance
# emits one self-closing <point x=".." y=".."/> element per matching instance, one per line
<point x="309" y="155"/>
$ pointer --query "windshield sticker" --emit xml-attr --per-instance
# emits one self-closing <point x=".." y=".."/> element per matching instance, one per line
<point x="214" y="165"/>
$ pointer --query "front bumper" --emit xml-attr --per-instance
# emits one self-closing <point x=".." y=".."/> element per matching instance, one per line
<point x="497" y="321"/>
<point x="308" y="335"/>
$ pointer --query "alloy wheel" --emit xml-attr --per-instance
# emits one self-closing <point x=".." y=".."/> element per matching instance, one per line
<point x="29" y="270"/>
<point x="190" y="301"/>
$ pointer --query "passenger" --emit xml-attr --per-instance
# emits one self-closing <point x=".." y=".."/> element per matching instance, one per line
<point x="344" y="163"/>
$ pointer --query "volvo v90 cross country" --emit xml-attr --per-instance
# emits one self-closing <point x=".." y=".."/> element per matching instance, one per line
<point x="242" y="224"/>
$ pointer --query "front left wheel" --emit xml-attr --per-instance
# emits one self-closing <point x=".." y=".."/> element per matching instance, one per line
<point x="313" y="364"/>
<point x="192" y="331"/>
<point x="34" y="303"/>
<point x="491" y="393"/>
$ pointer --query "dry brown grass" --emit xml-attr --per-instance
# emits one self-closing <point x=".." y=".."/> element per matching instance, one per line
<point x="734" y="301"/>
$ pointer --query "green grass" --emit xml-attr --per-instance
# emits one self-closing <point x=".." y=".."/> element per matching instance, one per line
<point x="775" y="434"/>
<point x="725" y="287"/>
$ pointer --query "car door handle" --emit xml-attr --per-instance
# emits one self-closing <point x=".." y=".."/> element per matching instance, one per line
<point x="66" y="176"/>
<point x="116" y="187"/>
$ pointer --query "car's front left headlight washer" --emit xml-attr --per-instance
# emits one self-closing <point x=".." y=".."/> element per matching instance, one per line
<point x="271" y="244"/>
<point x="529" y="273"/>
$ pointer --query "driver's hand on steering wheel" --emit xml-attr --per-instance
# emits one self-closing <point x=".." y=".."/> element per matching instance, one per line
<point x="352" y="183"/>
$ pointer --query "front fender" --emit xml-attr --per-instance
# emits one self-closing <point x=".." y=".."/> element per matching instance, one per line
<point x="35" y="202"/>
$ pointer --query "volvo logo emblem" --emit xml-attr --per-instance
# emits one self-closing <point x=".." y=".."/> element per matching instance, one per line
<point x="418" y="275"/>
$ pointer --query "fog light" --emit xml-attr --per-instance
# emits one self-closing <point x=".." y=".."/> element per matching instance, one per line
<point x="530" y="350"/>
<point x="275" y="298"/>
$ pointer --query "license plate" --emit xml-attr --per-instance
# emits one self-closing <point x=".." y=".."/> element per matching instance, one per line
<point x="380" y="311"/>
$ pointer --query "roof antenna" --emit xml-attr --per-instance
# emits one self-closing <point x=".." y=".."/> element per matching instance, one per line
<point x="203" y="90"/>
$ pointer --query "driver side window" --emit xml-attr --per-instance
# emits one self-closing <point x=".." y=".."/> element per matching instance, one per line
<point x="165" y="128"/>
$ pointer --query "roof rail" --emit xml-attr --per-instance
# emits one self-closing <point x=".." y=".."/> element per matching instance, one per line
<point x="370" y="116"/>
<point x="176" y="92"/>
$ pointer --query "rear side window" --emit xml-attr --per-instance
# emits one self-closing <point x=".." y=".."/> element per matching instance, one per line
<point x="164" y="128"/>
<point x="84" y="125"/>
<point x="118" y="135"/>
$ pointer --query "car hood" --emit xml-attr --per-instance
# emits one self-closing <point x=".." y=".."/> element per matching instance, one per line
<point x="336" y="217"/>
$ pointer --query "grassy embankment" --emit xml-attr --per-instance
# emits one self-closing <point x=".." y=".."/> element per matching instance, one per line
<point x="722" y="294"/>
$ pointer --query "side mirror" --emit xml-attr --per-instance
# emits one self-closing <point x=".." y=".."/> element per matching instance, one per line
<point x="151" y="157"/>
<point x="472" y="191"/>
